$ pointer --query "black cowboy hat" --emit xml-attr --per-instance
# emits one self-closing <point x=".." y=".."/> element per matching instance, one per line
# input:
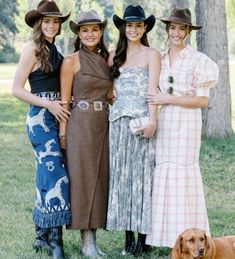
<point x="134" y="14"/>
<point x="182" y="16"/>
<point x="45" y="8"/>
<point x="90" y="17"/>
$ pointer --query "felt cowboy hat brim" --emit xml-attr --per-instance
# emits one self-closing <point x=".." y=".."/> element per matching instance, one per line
<point x="182" y="16"/>
<point x="150" y="21"/>
<point x="75" y="26"/>
<point x="47" y="8"/>
<point x="32" y="16"/>
<point x="85" y="18"/>
<point x="193" y="27"/>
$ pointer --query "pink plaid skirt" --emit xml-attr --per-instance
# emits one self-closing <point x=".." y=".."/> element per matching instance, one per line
<point x="178" y="200"/>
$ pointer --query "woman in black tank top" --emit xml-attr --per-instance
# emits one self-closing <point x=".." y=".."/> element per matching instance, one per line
<point x="40" y="63"/>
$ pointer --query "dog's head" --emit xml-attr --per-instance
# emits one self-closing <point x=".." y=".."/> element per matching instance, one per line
<point x="192" y="241"/>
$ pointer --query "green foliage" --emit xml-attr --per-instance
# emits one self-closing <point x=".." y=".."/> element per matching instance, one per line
<point x="8" y="55"/>
<point x="7" y="21"/>
<point x="230" y="11"/>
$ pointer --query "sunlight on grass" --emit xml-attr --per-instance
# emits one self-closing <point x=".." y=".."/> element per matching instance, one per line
<point x="7" y="71"/>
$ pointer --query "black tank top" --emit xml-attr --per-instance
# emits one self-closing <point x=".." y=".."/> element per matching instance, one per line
<point x="44" y="82"/>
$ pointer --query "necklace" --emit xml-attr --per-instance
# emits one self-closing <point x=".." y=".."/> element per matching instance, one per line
<point x="170" y="78"/>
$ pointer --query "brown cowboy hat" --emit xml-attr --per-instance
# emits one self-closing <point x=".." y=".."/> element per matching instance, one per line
<point x="45" y="8"/>
<point x="182" y="16"/>
<point x="134" y="14"/>
<point x="90" y="17"/>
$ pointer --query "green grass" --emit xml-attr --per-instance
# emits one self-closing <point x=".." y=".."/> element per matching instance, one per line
<point x="7" y="70"/>
<point x="17" y="169"/>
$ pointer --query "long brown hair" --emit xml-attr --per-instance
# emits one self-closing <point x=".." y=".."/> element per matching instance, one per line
<point x="42" y="52"/>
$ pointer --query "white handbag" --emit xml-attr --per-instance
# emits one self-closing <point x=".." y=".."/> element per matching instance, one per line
<point x="136" y="124"/>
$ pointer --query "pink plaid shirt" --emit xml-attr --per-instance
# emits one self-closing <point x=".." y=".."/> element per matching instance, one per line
<point x="193" y="72"/>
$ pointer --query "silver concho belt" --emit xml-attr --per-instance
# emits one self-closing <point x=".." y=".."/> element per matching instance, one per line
<point x="85" y="105"/>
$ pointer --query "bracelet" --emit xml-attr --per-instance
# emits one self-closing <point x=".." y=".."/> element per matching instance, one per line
<point x="62" y="136"/>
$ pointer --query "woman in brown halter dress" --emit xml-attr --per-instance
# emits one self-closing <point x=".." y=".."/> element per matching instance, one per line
<point x="85" y="76"/>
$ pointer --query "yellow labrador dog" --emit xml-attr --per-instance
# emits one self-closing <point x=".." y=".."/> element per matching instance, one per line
<point x="195" y="244"/>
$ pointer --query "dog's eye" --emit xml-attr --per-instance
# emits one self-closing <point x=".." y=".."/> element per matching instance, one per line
<point x="202" y="239"/>
<point x="191" y="240"/>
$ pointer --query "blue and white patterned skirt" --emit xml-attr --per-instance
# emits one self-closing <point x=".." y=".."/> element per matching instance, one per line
<point x="132" y="162"/>
<point x="52" y="207"/>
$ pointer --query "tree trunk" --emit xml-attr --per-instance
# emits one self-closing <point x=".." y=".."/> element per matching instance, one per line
<point x="179" y="4"/>
<point x="212" y="40"/>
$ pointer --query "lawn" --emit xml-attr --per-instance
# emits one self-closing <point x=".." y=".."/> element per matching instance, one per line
<point x="17" y="169"/>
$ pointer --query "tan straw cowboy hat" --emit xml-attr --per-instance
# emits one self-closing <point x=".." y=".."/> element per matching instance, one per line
<point x="90" y="17"/>
<point x="134" y="14"/>
<point x="182" y="16"/>
<point x="45" y="8"/>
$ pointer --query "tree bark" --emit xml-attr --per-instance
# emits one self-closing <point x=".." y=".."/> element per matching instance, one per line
<point x="212" y="40"/>
<point x="179" y="4"/>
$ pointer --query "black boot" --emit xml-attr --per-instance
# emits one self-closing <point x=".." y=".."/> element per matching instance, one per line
<point x="41" y="240"/>
<point x="129" y="243"/>
<point x="56" y="242"/>
<point x="141" y="248"/>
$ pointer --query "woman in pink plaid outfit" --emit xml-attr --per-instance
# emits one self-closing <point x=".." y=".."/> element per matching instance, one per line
<point x="187" y="75"/>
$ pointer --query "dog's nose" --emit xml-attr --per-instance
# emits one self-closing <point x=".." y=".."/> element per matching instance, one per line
<point x="201" y="251"/>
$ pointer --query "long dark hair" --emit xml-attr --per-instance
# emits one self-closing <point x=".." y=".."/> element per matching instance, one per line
<point x="101" y="47"/>
<point x="121" y="48"/>
<point x="42" y="52"/>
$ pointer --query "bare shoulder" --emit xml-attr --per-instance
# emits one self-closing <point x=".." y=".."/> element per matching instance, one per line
<point x="152" y="52"/>
<point x="71" y="63"/>
<point x="29" y="49"/>
<point x="71" y="60"/>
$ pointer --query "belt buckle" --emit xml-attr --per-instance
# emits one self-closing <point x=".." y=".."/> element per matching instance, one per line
<point x="98" y="106"/>
<point x="83" y="105"/>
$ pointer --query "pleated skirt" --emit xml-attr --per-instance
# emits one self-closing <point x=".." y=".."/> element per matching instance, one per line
<point x="132" y="163"/>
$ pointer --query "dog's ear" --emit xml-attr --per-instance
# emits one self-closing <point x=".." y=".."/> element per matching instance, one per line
<point x="179" y="244"/>
<point x="207" y="243"/>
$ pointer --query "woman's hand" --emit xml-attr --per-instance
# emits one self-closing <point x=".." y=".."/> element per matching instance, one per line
<point x="148" y="132"/>
<point x="57" y="109"/>
<point x="62" y="141"/>
<point x="158" y="98"/>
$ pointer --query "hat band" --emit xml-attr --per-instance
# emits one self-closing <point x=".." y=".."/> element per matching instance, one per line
<point x="134" y="17"/>
<point x="178" y="19"/>
<point x="90" y="21"/>
<point x="51" y="13"/>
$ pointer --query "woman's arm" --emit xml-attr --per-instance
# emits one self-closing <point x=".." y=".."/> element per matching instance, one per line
<point x="190" y="102"/>
<point x="154" y="72"/>
<point x="68" y="69"/>
<point x="27" y="64"/>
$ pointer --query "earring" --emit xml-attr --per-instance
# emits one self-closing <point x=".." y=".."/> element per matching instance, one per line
<point x="80" y="45"/>
<point x="99" y="47"/>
